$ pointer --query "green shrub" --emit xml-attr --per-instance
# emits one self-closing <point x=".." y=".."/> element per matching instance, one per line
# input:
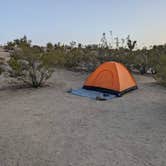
<point x="17" y="43"/>
<point x="1" y="65"/>
<point x="84" y="59"/>
<point x="31" y="66"/>
<point x="161" y="70"/>
<point x="56" y="57"/>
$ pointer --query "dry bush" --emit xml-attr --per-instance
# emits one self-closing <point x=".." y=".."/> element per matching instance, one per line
<point x="161" y="70"/>
<point x="30" y="66"/>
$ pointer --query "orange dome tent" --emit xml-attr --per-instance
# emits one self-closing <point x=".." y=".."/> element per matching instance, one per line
<point x="111" y="77"/>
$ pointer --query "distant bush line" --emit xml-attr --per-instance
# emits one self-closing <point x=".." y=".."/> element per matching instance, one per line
<point x="34" y="64"/>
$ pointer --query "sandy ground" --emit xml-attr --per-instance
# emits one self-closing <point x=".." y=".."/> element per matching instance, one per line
<point x="49" y="127"/>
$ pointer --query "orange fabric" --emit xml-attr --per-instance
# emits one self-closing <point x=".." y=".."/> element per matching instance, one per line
<point x="111" y="75"/>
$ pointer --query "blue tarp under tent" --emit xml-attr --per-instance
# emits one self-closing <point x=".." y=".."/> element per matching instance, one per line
<point x="96" y="95"/>
<point x="109" y="80"/>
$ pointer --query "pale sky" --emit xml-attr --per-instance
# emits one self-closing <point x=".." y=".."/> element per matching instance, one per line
<point x="83" y="21"/>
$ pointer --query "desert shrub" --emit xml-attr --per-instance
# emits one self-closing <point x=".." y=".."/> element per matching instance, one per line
<point x="161" y="70"/>
<point x="56" y="57"/>
<point x="17" y="43"/>
<point x="1" y="65"/>
<point x="156" y="53"/>
<point x="119" y="55"/>
<point x="9" y="46"/>
<point x="148" y="59"/>
<point x="142" y="60"/>
<point x="31" y="66"/>
<point x="73" y="57"/>
<point x="35" y="64"/>
<point x="89" y="60"/>
<point x="49" y="46"/>
<point x="84" y="59"/>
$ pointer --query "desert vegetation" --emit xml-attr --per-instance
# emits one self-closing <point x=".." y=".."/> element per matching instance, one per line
<point x="34" y="64"/>
<point x="29" y="64"/>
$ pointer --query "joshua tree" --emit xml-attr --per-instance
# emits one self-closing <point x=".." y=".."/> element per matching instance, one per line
<point x="122" y="42"/>
<point x="117" y="42"/>
<point x="103" y="41"/>
<point x="131" y="44"/>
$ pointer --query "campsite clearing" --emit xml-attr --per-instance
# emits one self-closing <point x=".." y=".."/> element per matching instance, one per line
<point x="49" y="127"/>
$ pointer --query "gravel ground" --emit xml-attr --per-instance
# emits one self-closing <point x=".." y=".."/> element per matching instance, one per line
<point x="49" y="127"/>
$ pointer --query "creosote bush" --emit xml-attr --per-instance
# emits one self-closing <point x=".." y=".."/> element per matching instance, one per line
<point x="30" y="65"/>
<point x="161" y="70"/>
